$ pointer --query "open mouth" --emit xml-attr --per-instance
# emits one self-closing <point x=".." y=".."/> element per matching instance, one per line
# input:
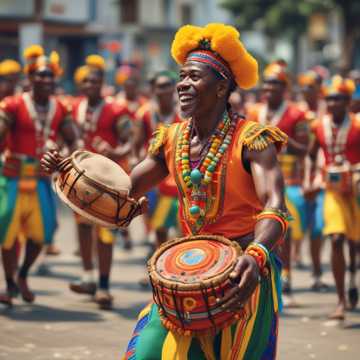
<point x="186" y="99"/>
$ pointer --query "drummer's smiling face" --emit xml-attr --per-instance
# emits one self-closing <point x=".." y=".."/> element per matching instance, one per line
<point x="198" y="89"/>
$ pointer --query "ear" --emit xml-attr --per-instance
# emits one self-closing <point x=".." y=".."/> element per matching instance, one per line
<point x="222" y="88"/>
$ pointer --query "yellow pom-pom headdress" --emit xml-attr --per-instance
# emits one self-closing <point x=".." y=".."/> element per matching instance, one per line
<point x="96" y="61"/>
<point x="9" y="67"/>
<point x="35" y="59"/>
<point x="80" y="74"/>
<point x="276" y="71"/>
<point x="309" y="78"/>
<point x="218" y="46"/>
<point x="339" y="86"/>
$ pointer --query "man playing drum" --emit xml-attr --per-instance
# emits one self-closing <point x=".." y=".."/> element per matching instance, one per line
<point x="105" y="128"/>
<point x="230" y="183"/>
<point x="32" y="121"/>
<point x="338" y="135"/>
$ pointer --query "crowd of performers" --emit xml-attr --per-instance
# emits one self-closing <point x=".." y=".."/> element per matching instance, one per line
<point x="320" y="163"/>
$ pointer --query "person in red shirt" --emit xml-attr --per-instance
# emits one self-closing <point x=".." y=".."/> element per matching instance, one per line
<point x="33" y="122"/>
<point x="105" y="128"/>
<point x="277" y="111"/>
<point x="338" y="135"/>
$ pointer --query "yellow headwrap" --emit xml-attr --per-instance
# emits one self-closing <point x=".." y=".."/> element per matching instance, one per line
<point x="35" y="59"/>
<point x="339" y="86"/>
<point x="9" y="67"/>
<point x="80" y="74"/>
<point x="309" y="78"/>
<point x="221" y="40"/>
<point x="96" y="61"/>
<point x="276" y="70"/>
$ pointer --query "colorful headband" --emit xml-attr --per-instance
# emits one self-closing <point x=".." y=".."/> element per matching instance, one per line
<point x="9" y="67"/>
<point x="209" y="58"/>
<point x="35" y="59"/>
<point x="222" y="42"/>
<point x="339" y="86"/>
<point x="276" y="71"/>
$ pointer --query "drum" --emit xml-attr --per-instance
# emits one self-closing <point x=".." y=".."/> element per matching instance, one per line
<point x="96" y="188"/>
<point x="339" y="178"/>
<point x="187" y="276"/>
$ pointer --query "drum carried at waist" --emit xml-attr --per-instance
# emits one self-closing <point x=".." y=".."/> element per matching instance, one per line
<point x="187" y="276"/>
<point x="339" y="178"/>
<point x="96" y="188"/>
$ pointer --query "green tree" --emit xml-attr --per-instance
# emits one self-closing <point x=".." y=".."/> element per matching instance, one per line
<point x="290" y="18"/>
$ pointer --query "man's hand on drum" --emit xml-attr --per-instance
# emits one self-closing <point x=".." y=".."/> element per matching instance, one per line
<point x="51" y="160"/>
<point x="245" y="277"/>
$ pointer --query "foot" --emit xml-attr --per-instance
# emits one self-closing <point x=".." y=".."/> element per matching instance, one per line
<point x="43" y="270"/>
<point x="53" y="250"/>
<point x="128" y="245"/>
<point x="353" y="295"/>
<point x="286" y="285"/>
<point x="13" y="290"/>
<point x="299" y="265"/>
<point x="339" y="313"/>
<point x="319" y="286"/>
<point x="5" y="299"/>
<point x="104" y="299"/>
<point x="25" y="292"/>
<point x="88" y="288"/>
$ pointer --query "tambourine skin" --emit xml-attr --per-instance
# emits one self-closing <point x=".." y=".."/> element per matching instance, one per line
<point x="91" y="199"/>
<point x="187" y="276"/>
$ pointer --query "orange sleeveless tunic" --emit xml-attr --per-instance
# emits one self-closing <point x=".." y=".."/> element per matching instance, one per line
<point x="232" y="200"/>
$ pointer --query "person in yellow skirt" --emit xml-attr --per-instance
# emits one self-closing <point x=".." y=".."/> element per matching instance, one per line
<point x="338" y="135"/>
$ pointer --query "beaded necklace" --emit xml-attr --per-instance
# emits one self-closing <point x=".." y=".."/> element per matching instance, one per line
<point x="198" y="178"/>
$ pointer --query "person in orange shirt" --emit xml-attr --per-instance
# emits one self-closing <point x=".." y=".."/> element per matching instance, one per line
<point x="337" y="133"/>
<point x="105" y="128"/>
<point x="227" y="173"/>
<point x="276" y="110"/>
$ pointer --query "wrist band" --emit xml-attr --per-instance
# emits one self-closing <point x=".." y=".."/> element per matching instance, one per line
<point x="259" y="253"/>
<point x="278" y="215"/>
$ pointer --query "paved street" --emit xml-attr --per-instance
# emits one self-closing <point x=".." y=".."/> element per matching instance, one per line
<point x="62" y="325"/>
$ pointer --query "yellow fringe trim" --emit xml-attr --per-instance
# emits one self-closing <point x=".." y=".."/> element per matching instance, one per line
<point x="158" y="140"/>
<point x="259" y="137"/>
<point x="176" y="347"/>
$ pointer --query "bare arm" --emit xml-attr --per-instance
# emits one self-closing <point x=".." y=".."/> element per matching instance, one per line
<point x="69" y="133"/>
<point x="147" y="174"/>
<point x="269" y="186"/>
<point x="300" y="143"/>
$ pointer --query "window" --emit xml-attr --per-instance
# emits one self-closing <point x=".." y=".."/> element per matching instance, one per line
<point x="186" y="13"/>
<point x="129" y="11"/>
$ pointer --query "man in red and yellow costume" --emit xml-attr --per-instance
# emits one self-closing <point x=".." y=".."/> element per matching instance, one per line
<point x="277" y="111"/>
<point x="338" y="135"/>
<point x="33" y="122"/>
<point x="230" y="183"/>
<point x="10" y="71"/>
<point x="105" y="128"/>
